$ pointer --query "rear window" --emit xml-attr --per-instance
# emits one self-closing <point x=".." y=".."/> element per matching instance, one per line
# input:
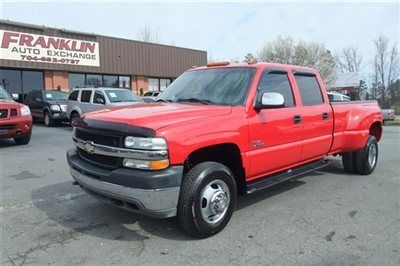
<point x="310" y="91"/>
<point x="85" y="96"/>
<point x="73" y="96"/>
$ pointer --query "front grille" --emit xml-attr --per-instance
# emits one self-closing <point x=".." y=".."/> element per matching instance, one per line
<point x="3" y="113"/>
<point x="12" y="127"/>
<point x="101" y="160"/>
<point x="13" y="112"/>
<point x="113" y="141"/>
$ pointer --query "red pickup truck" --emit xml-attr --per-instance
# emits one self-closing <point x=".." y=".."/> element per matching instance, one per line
<point x="217" y="132"/>
<point x="15" y="119"/>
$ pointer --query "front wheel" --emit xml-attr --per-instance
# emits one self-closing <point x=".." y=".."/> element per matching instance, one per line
<point x="48" y="121"/>
<point x="23" y="141"/>
<point x="74" y="116"/>
<point x="207" y="199"/>
<point x="367" y="157"/>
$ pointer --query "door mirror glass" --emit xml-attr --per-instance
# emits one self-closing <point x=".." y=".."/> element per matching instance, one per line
<point x="270" y="100"/>
<point x="99" y="100"/>
<point x="15" y="96"/>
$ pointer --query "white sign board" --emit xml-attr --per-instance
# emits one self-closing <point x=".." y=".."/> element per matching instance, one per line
<point x="47" y="49"/>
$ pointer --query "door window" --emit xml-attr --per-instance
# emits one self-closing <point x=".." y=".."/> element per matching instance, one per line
<point x="310" y="91"/>
<point x="73" y="96"/>
<point x="99" y="98"/>
<point x="279" y="83"/>
<point x="85" y="96"/>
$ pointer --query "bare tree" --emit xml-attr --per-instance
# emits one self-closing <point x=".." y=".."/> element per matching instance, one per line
<point x="310" y="54"/>
<point x="349" y="59"/>
<point x="386" y="66"/>
<point x="149" y="34"/>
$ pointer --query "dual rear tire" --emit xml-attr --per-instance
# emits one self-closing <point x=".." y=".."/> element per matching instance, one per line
<point x="362" y="161"/>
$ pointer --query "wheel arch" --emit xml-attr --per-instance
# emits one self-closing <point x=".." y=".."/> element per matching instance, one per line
<point x="227" y="154"/>
<point x="376" y="130"/>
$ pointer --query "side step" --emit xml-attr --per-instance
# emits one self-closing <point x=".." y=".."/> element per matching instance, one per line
<point x="271" y="180"/>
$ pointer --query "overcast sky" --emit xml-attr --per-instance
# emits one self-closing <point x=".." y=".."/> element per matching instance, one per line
<point x="224" y="30"/>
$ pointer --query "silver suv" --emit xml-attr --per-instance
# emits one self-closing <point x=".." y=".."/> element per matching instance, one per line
<point x="85" y="100"/>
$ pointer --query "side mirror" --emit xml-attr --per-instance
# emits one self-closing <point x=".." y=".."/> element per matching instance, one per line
<point x="15" y="96"/>
<point x="100" y="100"/>
<point x="270" y="100"/>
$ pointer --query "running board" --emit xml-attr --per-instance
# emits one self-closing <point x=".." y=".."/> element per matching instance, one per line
<point x="271" y="180"/>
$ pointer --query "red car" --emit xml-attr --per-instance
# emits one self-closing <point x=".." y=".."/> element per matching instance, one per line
<point x="15" y="119"/>
<point x="216" y="132"/>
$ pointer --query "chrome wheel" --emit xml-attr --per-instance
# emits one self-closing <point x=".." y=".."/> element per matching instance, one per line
<point x="214" y="202"/>
<point x="372" y="155"/>
<point x="46" y="119"/>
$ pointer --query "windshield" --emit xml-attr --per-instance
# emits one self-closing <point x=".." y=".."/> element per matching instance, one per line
<point x="115" y="96"/>
<point x="55" y="95"/>
<point x="220" y="86"/>
<point x="3" y="94"/>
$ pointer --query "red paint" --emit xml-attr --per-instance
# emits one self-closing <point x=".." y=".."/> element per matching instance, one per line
<point x="18" y="121"/>
<point x="188" y="127"/>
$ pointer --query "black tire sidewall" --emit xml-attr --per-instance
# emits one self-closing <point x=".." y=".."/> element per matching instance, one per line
<point x="206" y="177"/>
<point x="46" y="114"/>
<point x="362" y="163"/>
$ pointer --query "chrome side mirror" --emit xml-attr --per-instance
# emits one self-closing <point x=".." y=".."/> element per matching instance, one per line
<point x="15" y="96"/>
<point x="270" y="100"/>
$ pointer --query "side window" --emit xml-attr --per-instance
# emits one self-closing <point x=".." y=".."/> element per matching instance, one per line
<point x="310" y="91"/>
<point x="85" y="96"/>
<point x="99" y="98"/>
<point x="277" y="82"/>
<point x="73" y="96"/>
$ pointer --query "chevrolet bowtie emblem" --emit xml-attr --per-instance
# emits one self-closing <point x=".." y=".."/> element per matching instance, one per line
<point x="89" y="147"/>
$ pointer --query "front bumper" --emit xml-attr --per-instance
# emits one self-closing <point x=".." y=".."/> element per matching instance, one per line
<point x="59" y="116"/>
<point x="151" y="193"/>
<point x="17" y="127"/>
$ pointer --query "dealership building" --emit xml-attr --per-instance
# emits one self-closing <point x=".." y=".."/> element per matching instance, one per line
<point x="42" y="58"/>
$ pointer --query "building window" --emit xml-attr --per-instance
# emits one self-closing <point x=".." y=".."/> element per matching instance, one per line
<point x="158" y="84"/>
<point x="110" y="81"/>
<point x="94" y="80"/>
<point x="124" y="82"/>
<point x="76" y="80"/>
<point x="21" y="82"/>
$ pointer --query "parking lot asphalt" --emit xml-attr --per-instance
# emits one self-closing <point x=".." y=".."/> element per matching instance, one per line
<point x="327" y="217"/>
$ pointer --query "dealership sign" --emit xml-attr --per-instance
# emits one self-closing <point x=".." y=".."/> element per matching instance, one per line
<point x="46" y="49"/>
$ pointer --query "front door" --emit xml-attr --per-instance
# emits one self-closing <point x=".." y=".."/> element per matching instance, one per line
<point x="275" y="134"/>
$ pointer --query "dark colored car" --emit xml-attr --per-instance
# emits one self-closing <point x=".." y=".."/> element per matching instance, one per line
<point x="51" y="106"/>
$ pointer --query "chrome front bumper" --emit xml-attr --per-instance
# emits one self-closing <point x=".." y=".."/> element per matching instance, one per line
<point x="159" y="203"/>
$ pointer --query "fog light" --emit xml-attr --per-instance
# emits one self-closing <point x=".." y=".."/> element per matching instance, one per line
<point x="146" y="165"/>
<point x="26" y="126"/>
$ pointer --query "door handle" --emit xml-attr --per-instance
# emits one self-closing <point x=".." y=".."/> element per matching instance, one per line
<point x="325" y="116"/>
<point x="296" y="119"/>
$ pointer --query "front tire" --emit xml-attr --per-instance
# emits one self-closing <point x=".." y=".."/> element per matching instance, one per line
<point x="207" y="199"/>
<point x="73" y="117"/>
<point x="348" y="161"/>
<point x="367" y="157"/>
<point x="24" y="140"/>
<point x="48" y="121"/>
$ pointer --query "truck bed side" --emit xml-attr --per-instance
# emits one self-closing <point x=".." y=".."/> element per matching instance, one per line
<point x="353" y="123"/>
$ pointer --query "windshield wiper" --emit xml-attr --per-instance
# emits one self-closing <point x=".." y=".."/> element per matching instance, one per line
<point x="195" y="100"/>
<point x="162" y="100"/>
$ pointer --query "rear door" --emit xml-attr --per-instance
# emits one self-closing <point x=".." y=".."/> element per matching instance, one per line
<point x="85" y="99"/>
<point x="317" y="116"/>
<point x="275" y="134"/>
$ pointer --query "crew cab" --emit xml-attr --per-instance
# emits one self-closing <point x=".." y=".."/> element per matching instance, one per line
<point x="15" y="119"/>
<point x="217" y="132"/>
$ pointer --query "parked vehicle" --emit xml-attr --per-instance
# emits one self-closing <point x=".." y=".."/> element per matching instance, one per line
<point x="49" y="105"/>
<point x="216" y="132"/>
<point x="150" y="96"/>
<point x="15" y="119"/>
<point x="388" y="114"/>
<point x="338" y="97"/>
<point x="85" y="100"/>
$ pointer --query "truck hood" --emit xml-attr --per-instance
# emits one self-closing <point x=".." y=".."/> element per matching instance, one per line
<point x="9" y="103"/>
<point x="158" y="115"/>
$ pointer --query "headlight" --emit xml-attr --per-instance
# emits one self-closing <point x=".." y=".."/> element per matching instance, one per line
<point x="63" y="107"/>
<point x="145" y="143"/>
<point x="25" y="111"/>
<point x="55" y="107"/>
